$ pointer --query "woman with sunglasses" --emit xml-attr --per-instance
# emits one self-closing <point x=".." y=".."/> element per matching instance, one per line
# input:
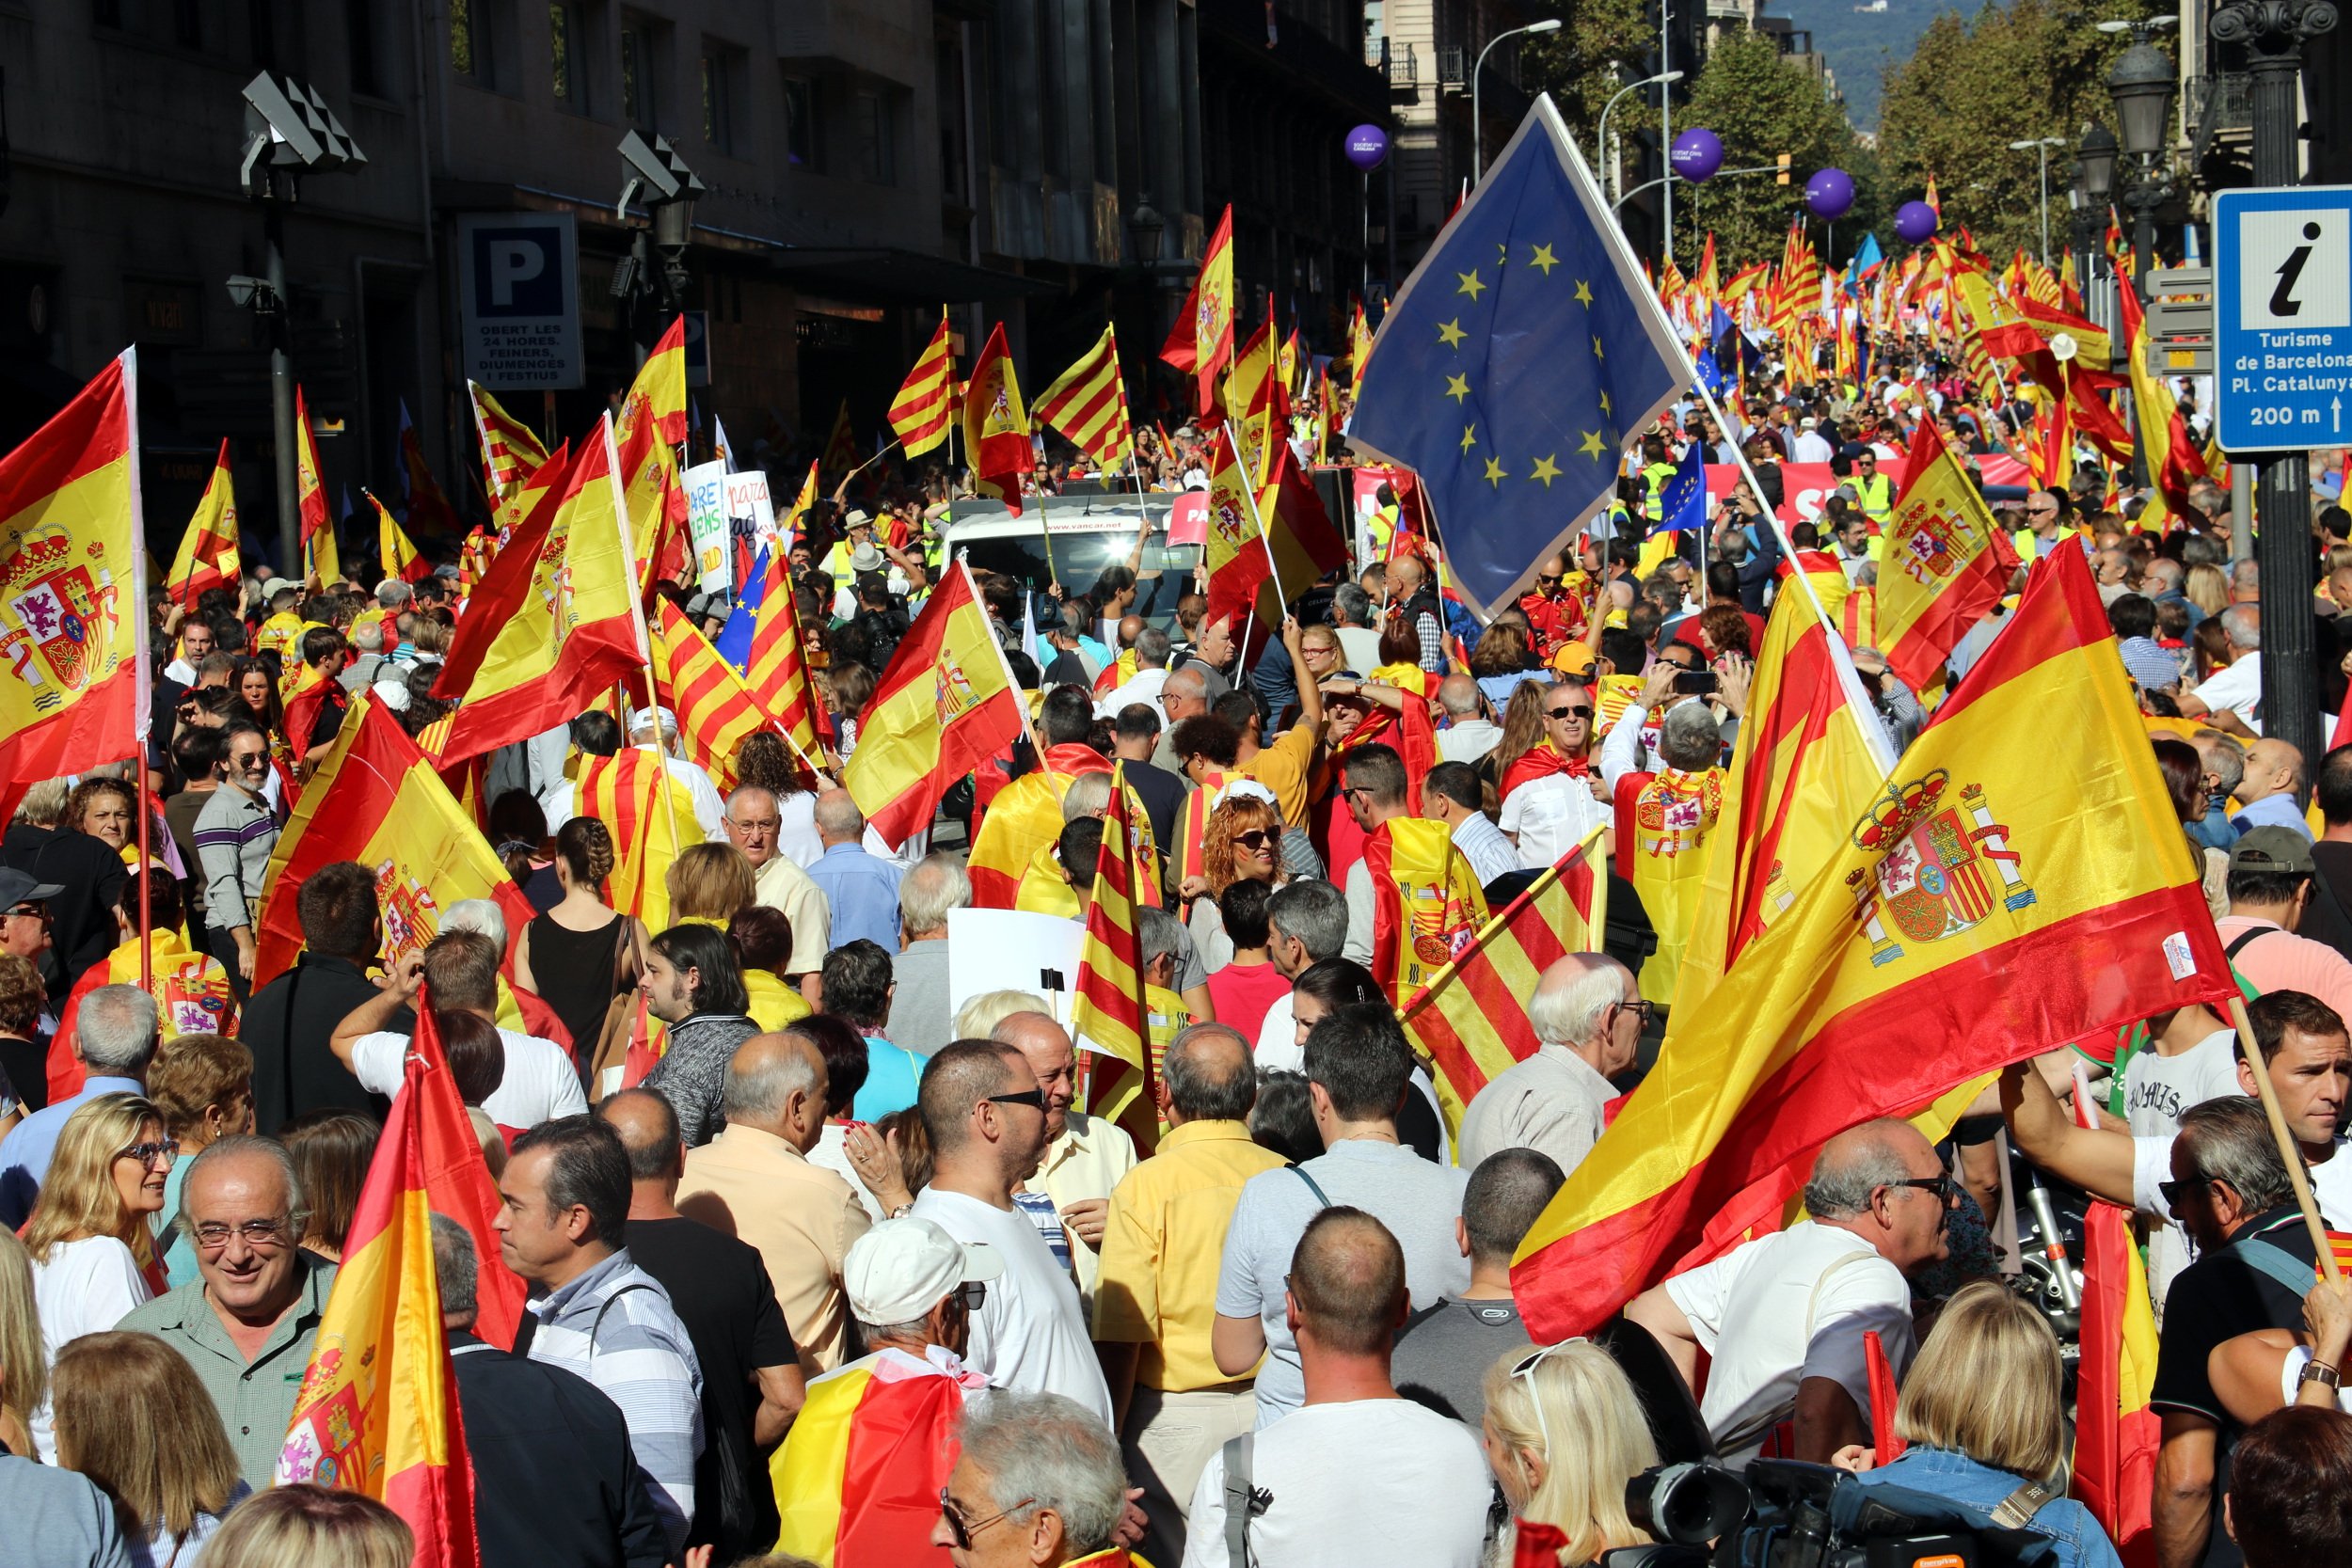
<point x="93" y="1257"/>
<point x="1241" y="842"/>
<point x="1564" y="1433"/>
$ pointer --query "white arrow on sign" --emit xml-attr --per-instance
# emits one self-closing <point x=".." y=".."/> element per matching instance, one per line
<point x="2337" y="404"/>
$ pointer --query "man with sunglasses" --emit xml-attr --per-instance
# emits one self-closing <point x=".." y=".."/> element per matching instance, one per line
<point x="2046" y="524"/>
<point x="1783" y="1315"/>
<point x="235" y="834"/>
<point x="987" y="1117"/>
<point x="1549" y="804"/>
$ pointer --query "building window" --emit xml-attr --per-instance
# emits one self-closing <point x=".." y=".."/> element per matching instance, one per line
<point x="469" y="40"/>
<point x="639" y="104"/>
<point x="876" y="162"/>
<point x="564" y="60"/>
<point x="359" y="35"/>
<point x="716" y="129"/>
<point x="800" y="123"/>
<point x="187" y="23"/>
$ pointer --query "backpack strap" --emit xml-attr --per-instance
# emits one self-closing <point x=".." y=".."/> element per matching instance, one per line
<point x="2016" y="1511"/>
<point x="2237" y="944"/>
<point x="1312" y="1186"/>
<point x="2276" y="1262"/>
<point x="1242" y="1500"/>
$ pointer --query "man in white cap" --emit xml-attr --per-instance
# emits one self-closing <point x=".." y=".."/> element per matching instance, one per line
<point x="913" y="1288"/>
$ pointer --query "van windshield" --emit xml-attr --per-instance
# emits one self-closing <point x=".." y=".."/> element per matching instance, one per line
<point x="1078" y="560"/>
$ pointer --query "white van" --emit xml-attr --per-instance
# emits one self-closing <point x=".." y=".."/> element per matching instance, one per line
<point x="1079" y="536"/>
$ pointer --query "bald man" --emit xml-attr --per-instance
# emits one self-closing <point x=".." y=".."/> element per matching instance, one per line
<point x="2267" y="795"/>
<point x="752" y="1381"/>
<point x="1070" y="1197"/>
<point x="1588" y="1015"/>
<point x="1468" y="734"/>
<point x="1878" y="1200"/>
<point x="753" y="1182"/>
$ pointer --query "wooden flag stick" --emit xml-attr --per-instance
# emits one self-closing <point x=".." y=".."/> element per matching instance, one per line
<point x="2287" y="1150"/>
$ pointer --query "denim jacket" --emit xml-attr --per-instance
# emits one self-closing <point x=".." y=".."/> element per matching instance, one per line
<point x="2080" y="1541"/>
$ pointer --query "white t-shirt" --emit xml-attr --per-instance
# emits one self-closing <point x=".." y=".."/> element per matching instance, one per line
<point x="540" y="1082"/>
<point x="2238" y="687"/>
<point x="1327" y="1466"/>
<point x="2157" y="1089"/>
<point x="1030" y="1333"/>
<point x="1279" y="1050"/>
<point x="85" y="1288"/>
<point x="797" y="838"/>
<point x="1550" y="816"/>
<point x="1772" y="1314"/>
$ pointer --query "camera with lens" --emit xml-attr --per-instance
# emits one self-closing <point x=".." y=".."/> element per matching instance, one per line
<point x="1784" y="1513"/>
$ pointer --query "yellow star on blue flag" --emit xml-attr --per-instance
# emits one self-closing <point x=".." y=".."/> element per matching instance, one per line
<point x="1563" y="349"/>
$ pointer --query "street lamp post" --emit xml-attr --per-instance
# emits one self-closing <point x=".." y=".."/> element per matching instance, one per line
<point x="2041" y="145"/>
<point x="1478" y="126"/>
<point x="2094" y="178"/>
<point x="2273" y="32"/>
<point x="1600" y="144"/>
<point x="2141" y="86"/>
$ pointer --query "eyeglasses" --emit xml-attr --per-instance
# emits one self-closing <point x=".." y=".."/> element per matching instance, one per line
<point x="965" y="1529"/>
<point x="2172" y="1192"/>
<point x="1586" y="712"/>
<point x="769" y="826"/>
<point x="213" y="1235"/>
<point x="1641" y="1008"/>
<point x="1947" y="1190"/>
<point x="1256" y="838"/>
<point x="1034" y="1099"/>
<point x="1319" y="651"/>
<point x="148" y="1153"/>
<point x="29" y="911"/>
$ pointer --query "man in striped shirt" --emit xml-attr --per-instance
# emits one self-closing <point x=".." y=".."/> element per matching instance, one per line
<point x="562" y="1225"/>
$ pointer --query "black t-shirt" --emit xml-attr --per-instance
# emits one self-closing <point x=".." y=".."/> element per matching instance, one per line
<point x="722" y="1295"/>
<point x="2328" y="918"/>
<point x="1163" y="796"/>
<point x="2220" y="1297"/>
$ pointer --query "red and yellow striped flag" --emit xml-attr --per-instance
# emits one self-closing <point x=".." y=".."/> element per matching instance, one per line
<point x="945" y="705"/>
<point x="2115" y="1432"/>
<point x="511" y="449"/>
<point x="651" y="815"/>
<point x="1108" y="1010"/>
<point x="398" y="551"/>
<point x="924" y="407"/>
<point x="321" y="556"/>
<point x="378" y="1410"/>
<point x="996" y="425"/>
<point x="715" y="709"/>
<point x="556" y="621"/>
<point x="208" y="556"/>
<point x="1471" y="1019"/>
<point x="1988" y="907"/>
<point x="1947" y="563"/>
<point x="657" y="396"/>
<point x="1089" y="404"/>
<point x="779" y="676"/>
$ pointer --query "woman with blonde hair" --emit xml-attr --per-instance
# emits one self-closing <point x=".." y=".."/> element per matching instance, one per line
<point x="310" y="1527"/>
<point x="134" y="1418"/>
<point x="581" y="953"/>
<point x="1241" y="841"/>
<point x="24" y="1364"/>
<point x="1564" y="1432"/>
<point x="2207" y="587"/>
<point x="711" y="882"/>
<point x="1983" y="1410"/>
<point x="93" y="1256"/>
<point x="981" y="1014"/>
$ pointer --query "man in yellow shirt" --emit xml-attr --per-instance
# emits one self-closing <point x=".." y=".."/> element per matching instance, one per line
<point x="1155" y="1296"/>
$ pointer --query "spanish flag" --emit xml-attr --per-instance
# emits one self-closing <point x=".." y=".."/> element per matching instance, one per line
<point x="190" y="988"/>
<point x="1090" y="405"/>
<point x="1471" y="1019"/>
<point x="321" y="556"/>
<point x="401" y="560"/>
<point x="2116" y="1433"/>
<point x="1202" y="343"/>
<point x="1245" y="391"/>
<point x="655" y="500"/>
<point x="556" y="621"/>
<point x="511" y="449"/>
<point x="923" y="410"/>
<point x="1108" y="1009"/>
<point x="1946" y="565"/>
<point x="857" y="1479"/>
<point x="1023" y="821"/>
<point x="1236" y="554"/>
<point x="1426" y="902"/>
<point x="2015" y="886"/>
<point x="1298" y="532"/>
<point x="715" y="709"/>
<point x="378" y="1410"/>
<point x="1358" y="352"/>
<point x="657" y="396"/>
<point x="946" y="705"/>
<point x="996" y="425"/>
<point x="208" y="551"/>
<point x="378" y="801"/>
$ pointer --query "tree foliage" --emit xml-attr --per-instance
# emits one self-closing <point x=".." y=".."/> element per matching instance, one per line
<point x="2016" y="73"/>
<point x="1763" y="104"/>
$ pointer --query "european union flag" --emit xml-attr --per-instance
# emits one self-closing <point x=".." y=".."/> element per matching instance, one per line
<point x="734" y="642"/>
<point x="1710" y="374"/>
<point x="1682" y="501"/>
<point x="1515" y="363"/>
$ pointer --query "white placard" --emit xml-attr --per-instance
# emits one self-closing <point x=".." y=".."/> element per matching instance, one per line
<point x="706" y="524"/>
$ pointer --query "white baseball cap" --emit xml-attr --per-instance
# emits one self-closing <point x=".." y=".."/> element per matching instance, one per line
<point x="902" y="1268"/>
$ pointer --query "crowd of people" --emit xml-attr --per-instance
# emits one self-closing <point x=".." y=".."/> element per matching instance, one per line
<point x="845" y="1174"/>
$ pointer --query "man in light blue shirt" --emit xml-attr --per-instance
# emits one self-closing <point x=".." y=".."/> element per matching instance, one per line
<point x="2267" y="793"/>
<point x="861" y="890"/>
<point x="114" y="1039"/>
<point x="858" y="983"/>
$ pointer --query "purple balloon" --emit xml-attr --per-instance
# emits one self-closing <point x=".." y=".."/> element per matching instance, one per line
<point x="1696" y="155"/>
<point x="1829" y="193"/>
<point x="1915" y="221"/>
<point x="1366" y="147"/>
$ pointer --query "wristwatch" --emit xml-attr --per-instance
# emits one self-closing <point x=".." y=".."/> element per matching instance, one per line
<point x="2319" y="1371"/>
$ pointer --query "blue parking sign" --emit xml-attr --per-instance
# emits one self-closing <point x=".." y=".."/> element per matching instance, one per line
<point x="518" y="295"/>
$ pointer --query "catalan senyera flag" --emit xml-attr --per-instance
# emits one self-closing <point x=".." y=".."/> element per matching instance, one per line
<point x="1471" y="1021"/>
<point x="208" y="555"/>
<point x="945" y="705"/>
<point x="511" y="449"/>
<point x="775" y="665"/>
<point x="73" y="557"/>
<point x="1089" y="404"/>
<point x="557" y="618"/>
<point x="715" y="709"/>
<point x="399" y="552"/>
<point x="1988" y="907"/>
<point x="2116" y="1433"/>
<point x="378" y="1410"/>
<point x="1202" y="342"/>
<point x="659" y="394"/>
<point x="1947" y="563"/>
<point x="857" y="1478"/>
<point x="376" y="799"/>
<point x="924" y="409"/>
<point x="652" y="818"/>
<point x="996" y="425"/>
<point x="1108" y="1009"/>
<point x="321" y="556"/>
<point x="1236" y="554"/>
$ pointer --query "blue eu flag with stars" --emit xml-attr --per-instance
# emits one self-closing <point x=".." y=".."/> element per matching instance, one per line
<point x="1682" y="501"/>
<point x="1516" y="363"/>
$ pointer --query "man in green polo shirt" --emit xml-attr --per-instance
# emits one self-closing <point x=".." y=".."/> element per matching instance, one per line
<point x="248" y="1320"/>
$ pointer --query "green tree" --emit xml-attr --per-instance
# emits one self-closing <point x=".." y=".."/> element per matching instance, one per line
<point x="1576" y="65"/>
<point x="1762" y="104"/>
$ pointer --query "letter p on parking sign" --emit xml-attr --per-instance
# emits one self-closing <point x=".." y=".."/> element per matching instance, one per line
<point x="518" y="286"/>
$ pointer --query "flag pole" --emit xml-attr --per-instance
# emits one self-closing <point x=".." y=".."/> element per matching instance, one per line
<point x="147" y="875"/>
<point x="2287" y="1151"/>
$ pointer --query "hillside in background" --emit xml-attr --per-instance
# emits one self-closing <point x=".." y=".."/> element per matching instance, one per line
<point x="1860" y="44"/>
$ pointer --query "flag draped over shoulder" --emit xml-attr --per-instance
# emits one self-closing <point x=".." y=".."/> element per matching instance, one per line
<point x="924" y="407"/>
<point x="945" y="705"/>
<point x="2017" y="885"/>
<point x="208" y="556"/>
<point x="1108" y="1009"/>
<point x="378" y="1410"/>
<point x="511" y="449"/>
<point x="2115" y="1432"/>
<point x="1471" y="1021"/>
<point x="556" y="621"/>
<point x="996" y="425"/>
<point x="73" y="588"/>
<point x="1089" y="404"/>
<point x="1427" y="901"/>
<point x="857" y="1478"/>
<point x="1947" y="563"/>
<point x="378" y="801"/>
<point x="321" y="556"/>
<point x="1517" y="359"/>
